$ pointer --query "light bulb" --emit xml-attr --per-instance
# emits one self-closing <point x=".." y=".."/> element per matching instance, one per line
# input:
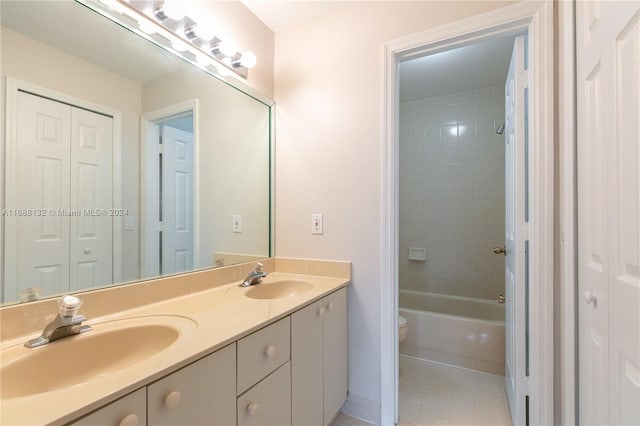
<point x="204" y="32"/>
<point x="248" y="60"/>
<point x="173" y="10"/>
<point x="228" y="48"/>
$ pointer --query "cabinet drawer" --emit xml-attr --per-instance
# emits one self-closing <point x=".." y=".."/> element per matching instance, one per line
<point x="269" y="402"/>
<point x="130" y="410"/>
<point x="262" y="352"/>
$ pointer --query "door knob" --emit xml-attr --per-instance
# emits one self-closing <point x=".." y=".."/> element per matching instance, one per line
<point x="498" y="250"/>
<point x="590" y="297"/>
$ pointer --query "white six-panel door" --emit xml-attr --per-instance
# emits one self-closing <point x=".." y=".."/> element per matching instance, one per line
<point x="177" y="200"/>
<point x="91" y="253"/>
<point x="608" y="111"/>
<point x="40" y="244"/>
<point x="514" y="233"/>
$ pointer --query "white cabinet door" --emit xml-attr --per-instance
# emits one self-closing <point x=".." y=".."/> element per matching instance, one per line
<point x="336" y="355"/>
<point x="307" y="366"/>
<point x="319" y="359"/>
<point x="608" y="112"/>
<point x="130" y="410"/>
<point x="269" y="402"/>
<point x="203" y="393"/>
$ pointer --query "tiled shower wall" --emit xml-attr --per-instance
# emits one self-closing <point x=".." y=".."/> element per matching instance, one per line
<point x="452" y="193"/>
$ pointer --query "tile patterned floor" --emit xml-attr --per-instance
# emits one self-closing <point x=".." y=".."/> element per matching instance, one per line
<point x="443" y="395"/>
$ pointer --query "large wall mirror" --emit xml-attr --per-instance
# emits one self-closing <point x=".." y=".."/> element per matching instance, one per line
<point x="121" y="160"/>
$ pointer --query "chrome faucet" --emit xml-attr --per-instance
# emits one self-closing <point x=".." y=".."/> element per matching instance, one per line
<point x="255" y="276"/>
<point x="67" y="323"/>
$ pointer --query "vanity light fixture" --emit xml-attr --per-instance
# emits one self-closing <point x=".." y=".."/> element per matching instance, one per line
<point x="166" y="23"/>
<point x="169" y="9"/>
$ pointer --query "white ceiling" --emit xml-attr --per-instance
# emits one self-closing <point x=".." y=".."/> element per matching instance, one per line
<point x="482" y="64"/>
<point x="280" y="15"/>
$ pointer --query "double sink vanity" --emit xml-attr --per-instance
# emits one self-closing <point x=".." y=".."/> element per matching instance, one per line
<point x="189" y="349"/>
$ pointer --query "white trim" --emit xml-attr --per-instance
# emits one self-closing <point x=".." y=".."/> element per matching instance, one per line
<point x="567" y="210"/>
<point x="13" y="85"/>
<point x="537" y="19"/>
<point x="149" y="134"/>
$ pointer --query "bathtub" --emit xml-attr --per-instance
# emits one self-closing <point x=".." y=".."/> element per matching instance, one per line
<point x="454" y="330"/>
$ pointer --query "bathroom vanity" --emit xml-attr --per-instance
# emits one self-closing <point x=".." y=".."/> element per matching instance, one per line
<point x="270" y="354"/>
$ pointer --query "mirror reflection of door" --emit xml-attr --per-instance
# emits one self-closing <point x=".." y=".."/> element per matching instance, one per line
<point x="62" y="241"/>
<point x="170" y="243"/>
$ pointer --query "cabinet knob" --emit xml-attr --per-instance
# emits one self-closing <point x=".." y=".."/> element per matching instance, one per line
<point x="87" y="250"/>
<point x="172" y="399"/>
<point x="252" y="407"/>
<point x="329" y="306"/>
<point x="270" y="351"/>
<point x="129" y="420"/>
<point x="321" y="311"/>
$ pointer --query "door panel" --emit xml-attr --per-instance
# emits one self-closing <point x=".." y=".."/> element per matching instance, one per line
<point x="514" y="233"/>
<point x="41" y="242"/>
<point x="177" y="200"/>
<point x="608" y="74"/>
<point x="91" y="256"/>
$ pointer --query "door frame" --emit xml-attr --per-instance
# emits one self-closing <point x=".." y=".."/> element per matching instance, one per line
<point x="13" y="86"/>
<point x="537" y="19"/>
<point x="149" y="200"/>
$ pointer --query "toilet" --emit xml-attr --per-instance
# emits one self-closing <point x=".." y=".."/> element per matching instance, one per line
<point x="403" y="328"/>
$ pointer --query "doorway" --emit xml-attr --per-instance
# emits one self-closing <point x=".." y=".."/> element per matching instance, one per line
<point x="461" y="137"/>
<point x="169" y="242"/>
<point x="536" y="20"/>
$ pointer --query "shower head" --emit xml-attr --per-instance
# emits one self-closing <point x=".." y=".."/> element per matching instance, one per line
<point x="500" y="129"/>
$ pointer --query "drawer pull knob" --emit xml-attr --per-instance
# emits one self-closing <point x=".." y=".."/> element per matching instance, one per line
<point x="321" y="311"/>
<point x="252" y="407"/>
<point x="172" y="399"/>
<point x="129" y="420"/>
<point x="270" y="351"/>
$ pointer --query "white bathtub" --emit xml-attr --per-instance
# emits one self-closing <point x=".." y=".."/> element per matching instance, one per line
<point x="454" y="330"/>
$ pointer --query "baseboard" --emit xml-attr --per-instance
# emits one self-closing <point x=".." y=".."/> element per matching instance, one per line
<point x="362" y="408"/>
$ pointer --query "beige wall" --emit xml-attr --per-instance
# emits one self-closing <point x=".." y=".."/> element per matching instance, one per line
<point x="329" y="95"/>
<point x="57" y="70"/>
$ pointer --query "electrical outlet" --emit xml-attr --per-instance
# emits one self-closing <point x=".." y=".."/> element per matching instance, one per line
<point x="237" y="223"/>
<point x="316" y="224"/>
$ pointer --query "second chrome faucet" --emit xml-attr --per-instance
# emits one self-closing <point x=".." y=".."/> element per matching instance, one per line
<point x="255" y="276"/>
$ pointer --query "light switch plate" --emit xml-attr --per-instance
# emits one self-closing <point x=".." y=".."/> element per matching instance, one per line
<point x="237" y="223"/>
<point x="316" y="224"/>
